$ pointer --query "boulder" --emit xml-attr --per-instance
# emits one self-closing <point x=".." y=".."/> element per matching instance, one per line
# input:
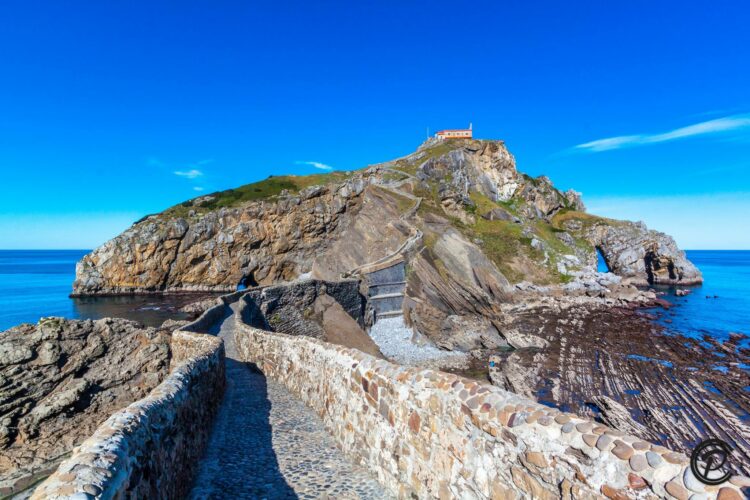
<point x="498" y="213"/>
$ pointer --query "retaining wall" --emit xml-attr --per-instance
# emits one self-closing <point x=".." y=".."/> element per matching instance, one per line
<point x="290" y="307"/>
<point x="429" y="434"/>
<point x="151" y="449"/>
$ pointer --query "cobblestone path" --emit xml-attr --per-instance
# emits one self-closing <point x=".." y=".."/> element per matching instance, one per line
<point x="267" y="444"/>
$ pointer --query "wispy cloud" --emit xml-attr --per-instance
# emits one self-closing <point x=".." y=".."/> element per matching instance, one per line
<point x="189" y="174"/>
<point x="316" y="164"/>
<point x="719" y="125"/>
<point x="198" y="188"/>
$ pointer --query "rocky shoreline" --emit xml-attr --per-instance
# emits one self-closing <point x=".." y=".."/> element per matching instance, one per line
<point x="587" y="347"/>
<point x="60" y="379"/>
<point x="496" y="268"/>
<point x="614" y="363"/>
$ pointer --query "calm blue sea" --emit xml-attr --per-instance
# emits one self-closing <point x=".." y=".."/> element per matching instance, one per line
<point x="722" y="304"/>
<point x="36" y="283"/>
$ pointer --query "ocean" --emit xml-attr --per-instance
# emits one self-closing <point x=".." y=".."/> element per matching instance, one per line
<point x="36" y="283"/>
<point x="718" y="307"/>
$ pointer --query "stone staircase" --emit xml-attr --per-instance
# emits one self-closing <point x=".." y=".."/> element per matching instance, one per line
<point x="385" y="292"/>
<point x="386" y="277"/>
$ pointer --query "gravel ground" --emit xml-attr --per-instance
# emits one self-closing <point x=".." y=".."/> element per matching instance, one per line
<point x="394" y="339"/>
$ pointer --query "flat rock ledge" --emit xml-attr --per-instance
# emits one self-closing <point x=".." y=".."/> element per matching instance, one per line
<point x="60" y="379"/>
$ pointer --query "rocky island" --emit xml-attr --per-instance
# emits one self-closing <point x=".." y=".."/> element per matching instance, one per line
<point x="447" y="258"/>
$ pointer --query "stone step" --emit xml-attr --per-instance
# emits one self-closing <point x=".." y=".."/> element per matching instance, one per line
<point x="389" y="283"/>
<point x="390" y="314"/>
<point x="385" y="288"/>
<point x="387" y="303"/>
<point x="386" y="296"/>
<point x="388" y="274"/>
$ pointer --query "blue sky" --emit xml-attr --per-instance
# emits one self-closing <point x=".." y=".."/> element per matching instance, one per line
<point x="109" y="111"/>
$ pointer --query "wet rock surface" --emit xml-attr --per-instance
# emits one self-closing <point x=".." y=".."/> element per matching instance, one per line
<point x="616" y="365"/>
<point x="60" y="379"/>
<point x="266" y="443"/>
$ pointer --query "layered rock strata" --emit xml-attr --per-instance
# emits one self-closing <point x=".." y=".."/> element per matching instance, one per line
<point x="151" y="448"/>
<point x="60" y="379"/>
<point x="643" y="256"/>
<point x="333" y="228"/>
<point x="615" y="364"/>
<point x="260" y="242"/>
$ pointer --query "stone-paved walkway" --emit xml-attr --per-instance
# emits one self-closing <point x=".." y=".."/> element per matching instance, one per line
<point x="267" y="444"/>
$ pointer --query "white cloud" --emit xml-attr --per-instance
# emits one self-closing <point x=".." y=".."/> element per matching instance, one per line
<point x="611" y="143"/>
<point x="190" y="174"/>
<point x="197" y="188"/>
<point x="716" y="126"/>
<point x="316" y="164"/>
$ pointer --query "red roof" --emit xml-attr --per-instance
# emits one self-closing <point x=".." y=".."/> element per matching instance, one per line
<point x="454" y="130"/>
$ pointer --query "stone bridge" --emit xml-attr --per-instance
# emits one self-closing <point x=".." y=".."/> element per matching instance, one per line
<point x="248" y="413"/>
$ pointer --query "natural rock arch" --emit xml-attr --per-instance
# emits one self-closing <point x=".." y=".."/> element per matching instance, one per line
<point x="247" y="281"/>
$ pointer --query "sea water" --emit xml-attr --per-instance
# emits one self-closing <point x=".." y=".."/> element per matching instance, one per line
<point x="36" y="283"/>
<point x="721" y="305"/>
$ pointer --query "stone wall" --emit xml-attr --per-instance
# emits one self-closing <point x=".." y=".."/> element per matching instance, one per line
<point x="429" y="434"/>
<point x="151" y="448"/>
<point x="288" y="307"/>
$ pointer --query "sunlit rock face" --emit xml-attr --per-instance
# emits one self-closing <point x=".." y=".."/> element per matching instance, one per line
<point x="642" y="256"/>
<point x="486" y="167"/>
<point x="449" y="208"/>
<point x="259" y="242"/>
<point x="60" y="379"/>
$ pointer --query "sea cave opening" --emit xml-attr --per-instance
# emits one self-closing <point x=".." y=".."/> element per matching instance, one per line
<point x="247" y="281"/>
<point x="651" y="263"/>
<point x="601" y="262"/>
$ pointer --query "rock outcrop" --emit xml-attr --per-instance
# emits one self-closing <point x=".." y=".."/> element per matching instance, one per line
<point x="151" y="447"/>
<point x="261" y="242"/>
<point x="485" y="167"/>
<point x="330" y="311"/>
<point x="223" y="240"/>
<point x="59" y="379"/>
<point x="465" y="223"/>
<point x="639" y="255"/>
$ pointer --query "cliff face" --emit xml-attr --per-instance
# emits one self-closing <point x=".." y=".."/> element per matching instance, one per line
<point x="643" y="256"/>
<point x="458" y="210"/>
<point x="261" y="241"/>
